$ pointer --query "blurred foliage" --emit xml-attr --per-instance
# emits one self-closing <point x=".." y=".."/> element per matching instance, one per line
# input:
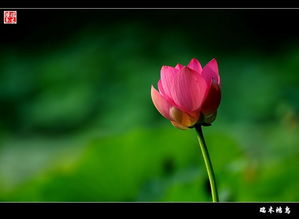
<point x="77" y="122"/>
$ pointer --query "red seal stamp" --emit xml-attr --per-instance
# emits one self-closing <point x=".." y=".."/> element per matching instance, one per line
<point x="10" y="17"/>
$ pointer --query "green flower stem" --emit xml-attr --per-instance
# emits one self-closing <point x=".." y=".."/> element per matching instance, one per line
<point x="208" y="163"/>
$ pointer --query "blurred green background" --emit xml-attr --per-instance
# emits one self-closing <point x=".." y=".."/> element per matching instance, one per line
<point x="77" y="122"/>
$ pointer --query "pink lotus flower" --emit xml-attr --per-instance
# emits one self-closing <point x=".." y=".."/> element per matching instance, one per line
<point x="188" y="95"/>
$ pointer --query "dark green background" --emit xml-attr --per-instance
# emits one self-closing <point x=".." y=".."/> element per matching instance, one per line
<point x="77" y="122"/>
